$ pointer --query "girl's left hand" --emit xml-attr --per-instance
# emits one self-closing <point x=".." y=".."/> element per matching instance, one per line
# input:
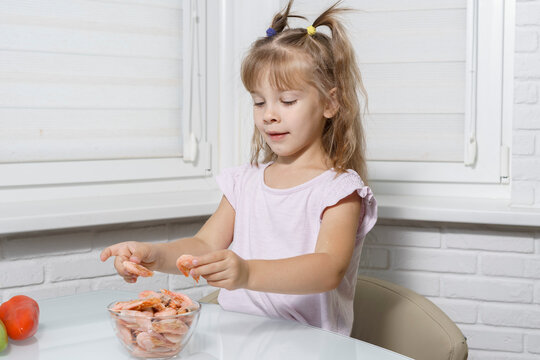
<point x="222" y="268"/>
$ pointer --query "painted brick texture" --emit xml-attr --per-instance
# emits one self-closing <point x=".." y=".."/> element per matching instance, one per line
<point x="490" y="289"/>
<point x="65" y="263"/>
<point x="486" y="281"/>
<point x="526" y="121"/>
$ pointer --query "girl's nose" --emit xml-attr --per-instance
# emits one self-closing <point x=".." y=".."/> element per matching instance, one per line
<point x="270" y="116"/>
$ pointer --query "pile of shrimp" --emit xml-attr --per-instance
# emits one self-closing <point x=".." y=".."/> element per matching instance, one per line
<point x="149" y="326"/>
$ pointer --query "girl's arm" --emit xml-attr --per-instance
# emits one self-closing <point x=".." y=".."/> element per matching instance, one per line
<point x="320" y="271"/>
<point x="215" y="234"/>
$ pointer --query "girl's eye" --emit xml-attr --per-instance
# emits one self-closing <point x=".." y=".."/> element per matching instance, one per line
<point x="258" y="104"/>
<point x="292" y="102"/>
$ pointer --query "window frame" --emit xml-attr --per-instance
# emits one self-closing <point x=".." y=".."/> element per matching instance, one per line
<point x="486" y="32"/>
<point x="134" y="169"/>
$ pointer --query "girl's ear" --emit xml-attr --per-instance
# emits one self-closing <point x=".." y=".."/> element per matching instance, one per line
<point x="332" y="106"/>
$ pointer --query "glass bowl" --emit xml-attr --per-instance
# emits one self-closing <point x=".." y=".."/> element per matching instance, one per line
<point x="153" y="337"/>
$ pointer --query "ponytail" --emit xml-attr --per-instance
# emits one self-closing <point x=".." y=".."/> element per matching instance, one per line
<point x="280" y="21"/>
<point x="345" y="140"/>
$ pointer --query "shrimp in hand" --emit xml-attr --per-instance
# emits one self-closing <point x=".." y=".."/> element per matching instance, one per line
<point x="185" y="264"/>
<point x="137" y="269"/>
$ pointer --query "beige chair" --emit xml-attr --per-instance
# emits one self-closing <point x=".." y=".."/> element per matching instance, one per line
<point x="396" y="318"/>
<point x="210" y="298"/>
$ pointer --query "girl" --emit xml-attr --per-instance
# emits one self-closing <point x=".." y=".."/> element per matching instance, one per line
<point x="286" y="238"/>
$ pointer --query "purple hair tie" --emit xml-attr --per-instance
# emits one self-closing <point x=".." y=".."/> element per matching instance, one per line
<point x="270" y="32"/>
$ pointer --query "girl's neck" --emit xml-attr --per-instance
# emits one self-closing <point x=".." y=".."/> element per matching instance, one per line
<point x="287" y="174"/>
<point x="290" y="171"/>
<point x="312" y="158"/>
<point x="298" y="164"/>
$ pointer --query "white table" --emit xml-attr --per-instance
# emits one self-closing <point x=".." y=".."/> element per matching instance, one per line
<point x="78" y="327"/>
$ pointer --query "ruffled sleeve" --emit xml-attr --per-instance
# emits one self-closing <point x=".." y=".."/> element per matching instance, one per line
<point x="344" y="185"/>
<point x="229" y="182"/>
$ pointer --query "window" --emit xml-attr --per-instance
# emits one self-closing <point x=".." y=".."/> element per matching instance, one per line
<point x="107" y="98"/>
<point x="438" y="121"/>
<point x="434" y="76"/>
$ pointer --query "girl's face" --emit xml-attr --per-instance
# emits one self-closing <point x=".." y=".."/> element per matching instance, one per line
<point x="291" y="121"/>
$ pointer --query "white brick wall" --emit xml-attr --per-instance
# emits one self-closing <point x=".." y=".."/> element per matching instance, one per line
<point x="485" y="280"/>
<point x="62" y="263"/>
<point x="526" y="122"/>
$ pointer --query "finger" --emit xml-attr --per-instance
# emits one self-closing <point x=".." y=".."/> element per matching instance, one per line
<point x="225" y="284"/>
<point x="209" y="258"/>
<point x="138" y="251"/>
<point x="215" y="277"/>
<point x="120" y="268"/>
<point x="106" y="253"/>
<point x="208" y="269"/>
<point x="113" y="250"/>
<point x="130" y="279"/>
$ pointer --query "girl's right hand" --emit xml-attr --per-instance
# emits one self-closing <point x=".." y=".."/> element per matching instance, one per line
<point x="141" y="253"/>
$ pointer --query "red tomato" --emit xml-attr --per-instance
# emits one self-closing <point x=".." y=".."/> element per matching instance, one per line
<point x="20" y="315"/>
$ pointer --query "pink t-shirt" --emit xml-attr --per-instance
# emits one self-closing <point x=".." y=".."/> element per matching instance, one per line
<point x="279" y="223"/>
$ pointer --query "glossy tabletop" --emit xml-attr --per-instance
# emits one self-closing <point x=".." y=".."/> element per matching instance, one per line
<point x="78" y="327"/>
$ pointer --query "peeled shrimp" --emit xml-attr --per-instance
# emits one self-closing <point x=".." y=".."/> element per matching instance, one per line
<point x="180" y="302"/>
<point x="185" y="264"/>
<point x="148" y="294"/>
<point x="148" y="326"/>
<point x="151" y="340"/>
<point x="137" y="269"/>
<point x="139" y="352"/>
<point x="170" y="326"/>
<point x="139" y="304"/>
<point x="135" y="320"/>
<point x="125" y="334"/>
<point x="166" y="312"/>
<point x="174" y="338"/>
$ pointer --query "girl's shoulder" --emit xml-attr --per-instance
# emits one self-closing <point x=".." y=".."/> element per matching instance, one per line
<point x="343" y="184"/>
<point x="241" y="173"/>
<point x="346" y="183"/>
<point x="233" y="180"/>
<point x="348" y="177"/>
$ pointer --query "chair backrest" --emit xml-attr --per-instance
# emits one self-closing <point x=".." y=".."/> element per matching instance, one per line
<point x="398" y="319"/>
<point x="210" y="298"/>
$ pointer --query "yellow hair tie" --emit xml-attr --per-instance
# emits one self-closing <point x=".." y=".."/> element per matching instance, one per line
<point x="311" y="30"/>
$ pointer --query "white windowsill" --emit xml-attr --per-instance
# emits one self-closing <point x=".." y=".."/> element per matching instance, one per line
<point x="456" y="210"/>
<point x="81" y="212"/>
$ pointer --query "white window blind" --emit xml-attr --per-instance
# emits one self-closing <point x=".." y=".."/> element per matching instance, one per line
<point x="433" y="73"/>
<point x="87" y="80"/>
<point x="412" y="56"/>
<point x="110" y="110"/>
<point x="96" y="90"/>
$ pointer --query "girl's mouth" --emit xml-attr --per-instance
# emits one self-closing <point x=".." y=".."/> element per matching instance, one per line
<point x="277" y="136"/>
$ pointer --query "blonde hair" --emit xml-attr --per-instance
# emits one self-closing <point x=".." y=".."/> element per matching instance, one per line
<point x="292" y="58"/>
